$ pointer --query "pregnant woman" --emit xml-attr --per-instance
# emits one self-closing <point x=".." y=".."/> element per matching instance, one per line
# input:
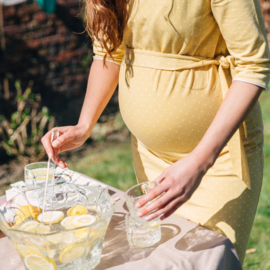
<point x="190" y="73"/>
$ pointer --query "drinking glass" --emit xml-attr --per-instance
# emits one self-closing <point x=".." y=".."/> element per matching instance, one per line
<point x="134" y="194"/>
<point x="142" y="234"/>
<point x="35" y="175"/>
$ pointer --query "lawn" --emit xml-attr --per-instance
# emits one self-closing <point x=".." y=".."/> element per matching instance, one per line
<point x="260" y="234"/>
<point x="114" y="167"/>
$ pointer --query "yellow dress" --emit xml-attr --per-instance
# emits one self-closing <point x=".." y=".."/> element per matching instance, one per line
<point x="178" y="58"/>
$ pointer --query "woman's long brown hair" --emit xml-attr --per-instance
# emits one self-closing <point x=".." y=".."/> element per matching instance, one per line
<point x="105" y="20"/>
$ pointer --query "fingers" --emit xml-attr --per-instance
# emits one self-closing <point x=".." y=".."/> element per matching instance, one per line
<point x="46" y="141"/>
<point x="166" y="203"/>
<point x="162" y="202"/>
<point x="62" y="139"/>
<point x="160" y="178"/>
<point x="151" y="195"/>
<point x="64" y="136"/>
<point x="167" y="210"/>
<point x="159" y="203"/>
<point x="60" y="162"/>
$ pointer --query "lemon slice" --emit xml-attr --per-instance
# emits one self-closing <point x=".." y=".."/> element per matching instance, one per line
<point x="72" y="253"/>
<point x="40" y="174"/>
<point x="51" y="217"/>
<point x="36" y="261"/>
<point x="156" y="224"/>
<point x="42" y="229"/>
<point x="60" y="238"/>
<point x="84" y="220"/>
<point x="55" y="238"/>
<point x="96" y="234"/>
<point x="77" y="210"/>
<point x="67" y="223"/>
<point x="51" y="252"/>
<point x="82" y="233"/>
<point x="23" y="250"/>
<point x="29" y="226"/>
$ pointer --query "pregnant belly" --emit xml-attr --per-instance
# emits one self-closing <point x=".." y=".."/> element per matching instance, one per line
<point x="164" y="111"/>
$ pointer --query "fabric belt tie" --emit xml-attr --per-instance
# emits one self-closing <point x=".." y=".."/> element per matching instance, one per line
<point x="174" y="62"/>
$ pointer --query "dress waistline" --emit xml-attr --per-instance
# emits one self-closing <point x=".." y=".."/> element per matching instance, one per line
<point x="176" y="62"/>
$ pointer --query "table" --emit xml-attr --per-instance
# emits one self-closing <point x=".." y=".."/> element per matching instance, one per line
<point x="184" y="246"/>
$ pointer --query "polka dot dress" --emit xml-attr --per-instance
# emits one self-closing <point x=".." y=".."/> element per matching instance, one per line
<point x="168" y="110"/>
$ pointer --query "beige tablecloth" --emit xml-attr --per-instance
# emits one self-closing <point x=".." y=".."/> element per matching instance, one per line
<point x="184" y="246"/>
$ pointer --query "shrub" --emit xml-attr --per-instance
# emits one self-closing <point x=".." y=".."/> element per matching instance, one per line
<point x="21" y="134"/>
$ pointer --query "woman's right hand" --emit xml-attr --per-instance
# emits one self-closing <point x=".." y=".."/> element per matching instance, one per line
<point x="69" y="138"/>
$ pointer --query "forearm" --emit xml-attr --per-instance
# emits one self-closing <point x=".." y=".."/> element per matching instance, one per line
<point x="101" y="85"/>
<point x="237" y="104"/>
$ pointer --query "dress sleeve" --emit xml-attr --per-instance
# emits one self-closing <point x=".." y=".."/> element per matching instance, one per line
<point x="242" y="27"/>
<point x="100" y="53"/>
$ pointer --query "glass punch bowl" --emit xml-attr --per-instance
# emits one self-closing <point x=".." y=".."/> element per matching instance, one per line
<point x="51" y="246"/>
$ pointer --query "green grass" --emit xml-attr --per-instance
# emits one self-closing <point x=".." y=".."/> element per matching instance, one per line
<point x="260" y="234"/>
<point x="113" y="166"/>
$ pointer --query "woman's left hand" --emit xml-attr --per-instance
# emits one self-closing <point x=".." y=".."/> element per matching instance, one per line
<point x="178" y="182"/>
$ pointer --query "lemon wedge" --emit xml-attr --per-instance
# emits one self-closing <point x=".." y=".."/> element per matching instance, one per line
<point x="51" y="217"/>
<point x="77" y="210"/>
<point x="36" y="261"/>
<point x="72" y="253"/>
<point x="29" y="226"/>
<point x="19" y="219"/>
<point x="67" y="223"/>
<point x="84" y="220"/>
<point x="35" y="211"/>
<point x="25" y="209"/>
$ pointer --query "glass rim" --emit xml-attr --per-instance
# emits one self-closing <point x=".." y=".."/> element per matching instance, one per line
<point x="53" y="186"/>
<point x="36" y="163"/>
<point x="125" y="195"/>
<point x="54" y="232"/>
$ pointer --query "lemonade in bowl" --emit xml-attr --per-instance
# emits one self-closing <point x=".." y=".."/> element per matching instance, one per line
<point x="67" y="234"/>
